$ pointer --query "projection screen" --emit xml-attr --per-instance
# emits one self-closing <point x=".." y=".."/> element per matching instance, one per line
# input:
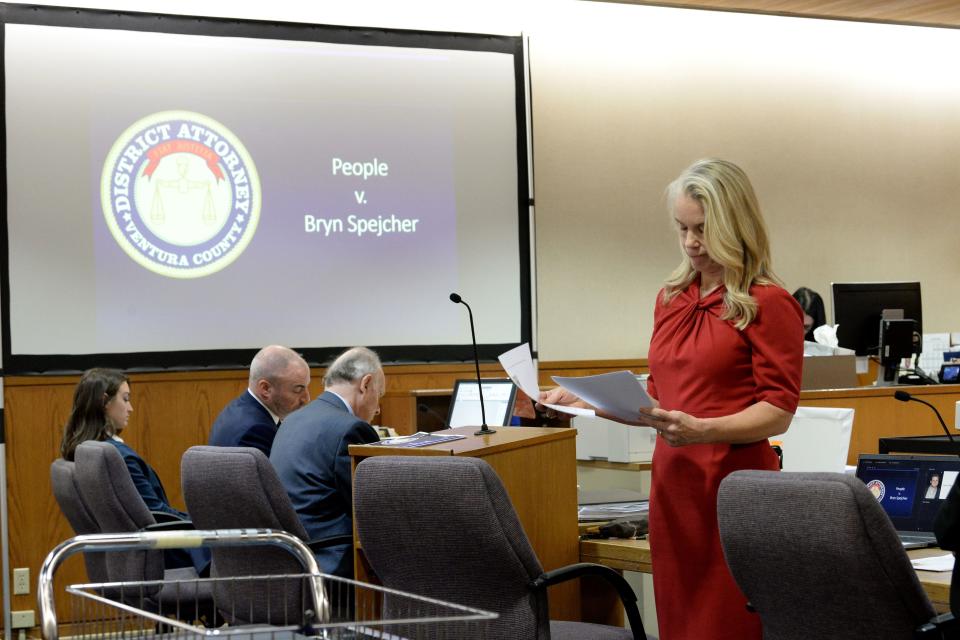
<point x="182" y="191"/>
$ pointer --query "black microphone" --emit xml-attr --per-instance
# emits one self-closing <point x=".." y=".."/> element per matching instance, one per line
<point x="903" y="396"/>
<point x="455" y="297"/>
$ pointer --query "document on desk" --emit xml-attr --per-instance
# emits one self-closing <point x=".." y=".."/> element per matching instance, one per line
<point x="612" y="510"/>
<point x="518" y="363"/>
<point x="619" y="393"/>
<point x="419" y="439"/>
<point x="934" y="563"/>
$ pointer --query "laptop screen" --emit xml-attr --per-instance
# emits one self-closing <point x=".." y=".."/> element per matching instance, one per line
<point x="909" y="488"/>
<point x="498" y="397"/>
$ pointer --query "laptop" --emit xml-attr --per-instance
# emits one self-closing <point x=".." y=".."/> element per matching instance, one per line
<point x="498" y="398"/>
<point x="911" y="490"/>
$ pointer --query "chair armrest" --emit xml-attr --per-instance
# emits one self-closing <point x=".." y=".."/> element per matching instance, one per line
<point x="322" y="543"/>
<point x="943" y="626"/>
<point x="163" y="516"/>
<point x="627" y="597"/>
<point x="168" y="523"/>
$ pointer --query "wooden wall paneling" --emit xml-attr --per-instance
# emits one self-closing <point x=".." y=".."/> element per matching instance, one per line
<point x="174" y="414"/>
<point x="33" y="423"/>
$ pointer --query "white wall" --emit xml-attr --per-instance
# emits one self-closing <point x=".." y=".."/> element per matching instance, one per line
<point x="850" y="131"/>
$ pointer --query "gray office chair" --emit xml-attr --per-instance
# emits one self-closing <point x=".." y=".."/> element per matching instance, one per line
<point x="817" y="557"/>
<point x="444" y="527"/>
<point x="67" y="494"/>
<point x="237" y="488"/>
<point x="108" y="491"/>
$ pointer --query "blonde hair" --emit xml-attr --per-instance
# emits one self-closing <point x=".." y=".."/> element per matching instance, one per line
<point x="733" y="231"/>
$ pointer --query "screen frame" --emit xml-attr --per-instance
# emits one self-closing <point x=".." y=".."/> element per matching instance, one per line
<point x="852" y="317"/>
<point x="511" y="401"/>
<point x="224" y="359"/>
<point x="925" y="464"/>
<point x="950" y="373"/>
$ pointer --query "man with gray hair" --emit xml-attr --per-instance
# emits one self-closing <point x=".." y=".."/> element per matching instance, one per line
<point x="278" y="385"/>
<point x="310" y="452"/>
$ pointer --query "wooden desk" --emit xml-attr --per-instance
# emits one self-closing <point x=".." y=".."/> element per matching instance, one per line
<point x="634" y="555"/>
<point x="935" y="583"/>
<point x="878" y="414"/>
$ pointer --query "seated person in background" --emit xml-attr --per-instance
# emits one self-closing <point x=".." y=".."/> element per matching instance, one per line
<point x="101" y="409"/>
<point x="278" y="386"/>
<point x="814" y="314"/>
<point x="310" y="452"/>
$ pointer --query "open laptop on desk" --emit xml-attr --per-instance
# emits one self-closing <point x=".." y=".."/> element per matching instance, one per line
<point x="498" y="398"/>
<point x="911" y="490"/>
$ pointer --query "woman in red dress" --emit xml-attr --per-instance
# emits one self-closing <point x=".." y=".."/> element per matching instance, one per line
<point x="725" y="361"/>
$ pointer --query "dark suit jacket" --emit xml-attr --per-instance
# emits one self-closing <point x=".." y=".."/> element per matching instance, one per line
<point x="146" y="480"/>
<point x="244" y="423"/>
<point x="311" y="458"/>
<point x="148" y="485"/>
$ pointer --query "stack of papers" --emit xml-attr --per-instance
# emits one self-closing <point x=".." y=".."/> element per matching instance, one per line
<point x="934" y="563"/>
<point x="612" y="510"/>
<point x="619" y="394"/>
<point x="419" y="439"/>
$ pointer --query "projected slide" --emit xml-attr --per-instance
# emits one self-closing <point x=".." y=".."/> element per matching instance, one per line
<point x="178" y="192"/>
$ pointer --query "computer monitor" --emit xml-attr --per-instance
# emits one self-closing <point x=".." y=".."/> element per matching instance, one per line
<point x="858" y="307"/>
<point x="498" y="397"/>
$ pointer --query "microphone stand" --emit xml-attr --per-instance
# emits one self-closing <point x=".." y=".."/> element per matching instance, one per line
<point x="484" y="430"/>
<point x="903" y="396"/>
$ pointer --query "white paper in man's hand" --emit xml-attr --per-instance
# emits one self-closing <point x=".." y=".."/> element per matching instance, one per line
<point x="619" y="393"/>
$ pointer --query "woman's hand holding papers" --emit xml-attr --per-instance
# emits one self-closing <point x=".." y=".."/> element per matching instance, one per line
<point x="675" y="427"/>
<point x="559" y="396"/>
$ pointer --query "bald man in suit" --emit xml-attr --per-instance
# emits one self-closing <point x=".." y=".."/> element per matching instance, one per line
<point x="278" y="385"/>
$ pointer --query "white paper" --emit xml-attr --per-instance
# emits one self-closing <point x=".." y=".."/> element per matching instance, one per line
<point x="619" y="393"/>
<point x="934" y="563"/>
<point x="574" y="411"/>
<point x="518" y="363"/>
<point x="934" y="346"/>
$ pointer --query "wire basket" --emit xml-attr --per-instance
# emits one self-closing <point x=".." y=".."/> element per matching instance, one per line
<point x="275" y="607"/>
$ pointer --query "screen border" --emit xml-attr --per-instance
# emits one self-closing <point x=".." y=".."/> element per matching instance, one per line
<point x="840" y="289"/>
<point x="189" y="360"/>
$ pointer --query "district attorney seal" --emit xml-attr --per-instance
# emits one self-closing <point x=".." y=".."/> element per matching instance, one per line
<point x="180" y="194"/>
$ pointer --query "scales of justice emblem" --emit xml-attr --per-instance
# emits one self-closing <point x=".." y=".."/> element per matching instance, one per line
<point x="180" y="194"/>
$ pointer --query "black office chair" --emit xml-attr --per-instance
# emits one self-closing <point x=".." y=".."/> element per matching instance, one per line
<point x="817" y="557"/>
<point x="444" y="527"/>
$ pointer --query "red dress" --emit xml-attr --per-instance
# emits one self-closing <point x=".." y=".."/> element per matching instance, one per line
<point x="704" y="366"/>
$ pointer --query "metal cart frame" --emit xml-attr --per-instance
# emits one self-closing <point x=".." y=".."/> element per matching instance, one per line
<point x="373" y="611"/>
